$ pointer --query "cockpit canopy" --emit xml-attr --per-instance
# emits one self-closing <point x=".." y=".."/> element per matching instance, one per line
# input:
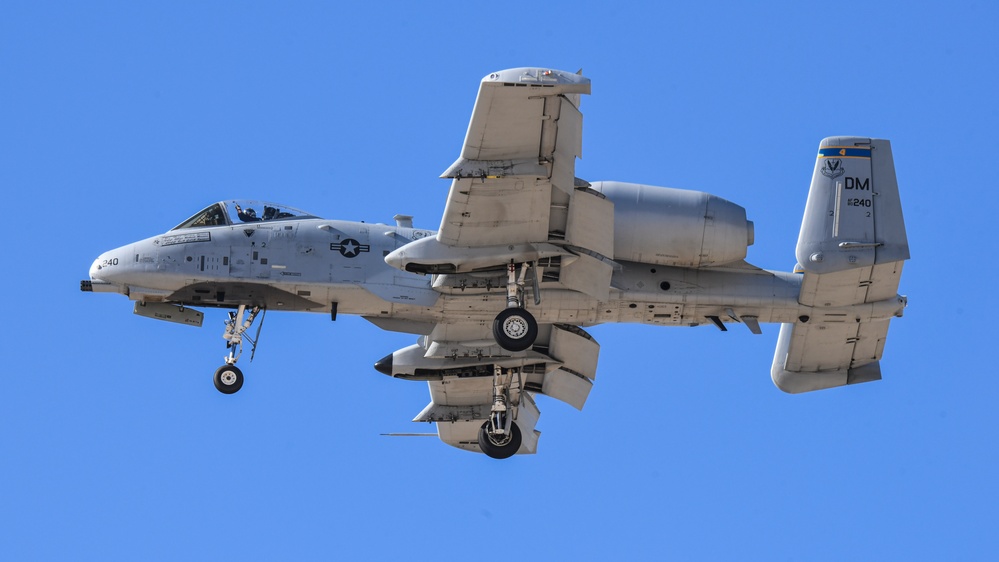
<point x="242" y="211"/>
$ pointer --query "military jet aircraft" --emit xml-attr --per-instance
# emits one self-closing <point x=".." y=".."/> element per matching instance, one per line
<point x="527" y="255"/>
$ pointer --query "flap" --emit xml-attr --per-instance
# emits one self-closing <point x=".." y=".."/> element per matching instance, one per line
<point x="589" y="275"/>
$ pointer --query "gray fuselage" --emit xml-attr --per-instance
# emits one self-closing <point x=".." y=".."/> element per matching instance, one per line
<point x="318" y="265"/>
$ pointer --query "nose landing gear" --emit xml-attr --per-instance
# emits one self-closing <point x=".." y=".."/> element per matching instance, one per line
<point x="228" y="377"/>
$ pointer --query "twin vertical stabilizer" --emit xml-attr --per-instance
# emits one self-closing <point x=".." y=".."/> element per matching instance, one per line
<point x="850" y="251"/>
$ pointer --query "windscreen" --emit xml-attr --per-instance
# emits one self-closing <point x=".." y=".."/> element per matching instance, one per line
<point x="214" y="215"/>
<point x="244" y="211"/>
<point x="241" y="211"/>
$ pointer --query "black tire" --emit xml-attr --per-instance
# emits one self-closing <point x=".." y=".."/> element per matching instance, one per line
<point x="515" y="329"/>
<point x="503" y="451"/>
<point x="228" y="379"/>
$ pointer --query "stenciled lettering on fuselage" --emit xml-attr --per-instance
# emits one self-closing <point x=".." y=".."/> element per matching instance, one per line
<point x="349" y="248"/>
<point x="186" y="238"/>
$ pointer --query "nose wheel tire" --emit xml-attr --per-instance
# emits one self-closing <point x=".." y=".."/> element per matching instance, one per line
<point x="515" y="329"/>
<point x="499" y="447"/>
<point x="228" y="379"/>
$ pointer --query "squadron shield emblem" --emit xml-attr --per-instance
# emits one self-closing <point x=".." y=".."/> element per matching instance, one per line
<point x="833" y="168"/>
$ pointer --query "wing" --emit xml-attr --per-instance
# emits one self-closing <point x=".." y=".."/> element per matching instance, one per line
<point x="514" y="198"/>
<point x="514" y="194"/>
<point x="522" y="141"/>
<point x="850" y="251"/>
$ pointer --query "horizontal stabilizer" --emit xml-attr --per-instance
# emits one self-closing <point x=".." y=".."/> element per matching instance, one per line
<point x="838" y="354"/>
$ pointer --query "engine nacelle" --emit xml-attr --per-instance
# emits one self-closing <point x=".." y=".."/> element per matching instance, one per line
<point x="675" y="227"/>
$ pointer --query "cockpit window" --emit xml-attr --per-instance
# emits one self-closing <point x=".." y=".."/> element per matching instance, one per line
<point x="259" y="211"/>
<point x="212" y="216"/>
<point x="241" y="212"/>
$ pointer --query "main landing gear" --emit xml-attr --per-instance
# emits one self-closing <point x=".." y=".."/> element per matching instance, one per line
<point x="228" y="377"/>
<point x="499" y="436"/>
<point x="515" y="329"/>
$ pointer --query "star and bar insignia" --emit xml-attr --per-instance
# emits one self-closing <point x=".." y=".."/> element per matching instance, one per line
<point x="350" y="248"/>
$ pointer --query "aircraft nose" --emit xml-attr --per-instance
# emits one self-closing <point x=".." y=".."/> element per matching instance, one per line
<point x="95" y="269"/>
<point x="102" y="275"/>
<point x="103" y="267"/>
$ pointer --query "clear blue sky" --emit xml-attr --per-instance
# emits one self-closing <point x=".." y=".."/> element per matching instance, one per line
<point x="120" y="119"/>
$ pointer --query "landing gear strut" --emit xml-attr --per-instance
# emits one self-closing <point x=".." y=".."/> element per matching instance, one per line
<point x="228" y="377"/>
<point x="515" y="329"/>
<point x="499" y="436"/>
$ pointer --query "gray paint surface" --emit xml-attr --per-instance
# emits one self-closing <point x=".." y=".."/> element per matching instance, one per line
<point x="598" y="253"/>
